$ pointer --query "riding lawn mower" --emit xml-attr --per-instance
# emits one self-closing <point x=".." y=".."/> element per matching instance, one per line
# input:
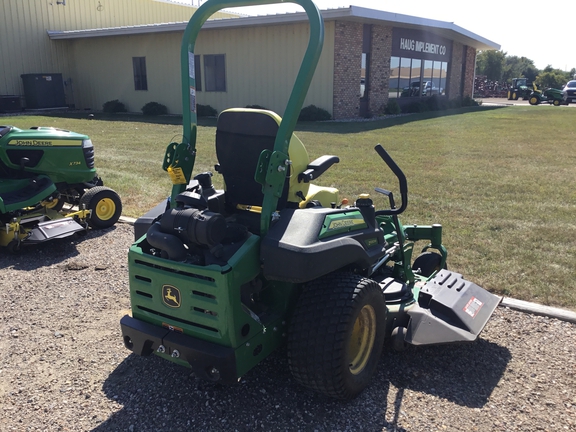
<point x="219" y="279"/>
<point x="49" y="187"/>
<point x="552" y="96"/>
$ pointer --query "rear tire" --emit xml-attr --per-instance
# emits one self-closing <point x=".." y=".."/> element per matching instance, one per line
<point x="556" y="102"/>
<point x="533" y="100"/>
<point x="514" y="96"/>
<point x="337" y="334"/>
<point x="105" y="204"/>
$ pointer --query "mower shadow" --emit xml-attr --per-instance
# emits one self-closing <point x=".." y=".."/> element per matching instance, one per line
<point x="158" y="395"/>
<point x="464" y="374"/>
<point x="48" y="253"/>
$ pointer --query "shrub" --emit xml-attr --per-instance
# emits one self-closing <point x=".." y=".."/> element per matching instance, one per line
<point x="205" y="111"/>
<point x="154" y="109"/>
<point x="415" y="107"/>
<point x="468" y="101"/>
<point x="392" y="107"/>
<point x="313" y="113"/>
<point x="256" y="107"/>
<point x="114" y="106"/>
<point x="456" y="103"/>
<point x="435" y="103"/>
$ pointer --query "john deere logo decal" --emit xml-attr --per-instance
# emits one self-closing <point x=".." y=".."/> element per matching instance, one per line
<point x="171" y="296"/>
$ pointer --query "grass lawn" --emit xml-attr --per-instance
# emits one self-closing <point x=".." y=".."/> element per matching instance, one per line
<point x="501" y="181"/>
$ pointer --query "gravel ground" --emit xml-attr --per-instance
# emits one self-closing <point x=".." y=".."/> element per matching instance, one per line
<point x="64" y="367"/>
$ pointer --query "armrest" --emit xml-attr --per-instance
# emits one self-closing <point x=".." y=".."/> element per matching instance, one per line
<point x="316" y="168"/>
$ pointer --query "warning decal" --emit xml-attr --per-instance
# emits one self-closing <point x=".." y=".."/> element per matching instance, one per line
<point x="473" y="307"/>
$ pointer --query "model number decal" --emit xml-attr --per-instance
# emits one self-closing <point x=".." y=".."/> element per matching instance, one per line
<point x="335" y="224"/>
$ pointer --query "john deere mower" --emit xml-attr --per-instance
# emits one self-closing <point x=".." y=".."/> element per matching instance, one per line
<point x="44" y="170"/>
<point x="551" y="96"/>
<point x="219" y="279"/>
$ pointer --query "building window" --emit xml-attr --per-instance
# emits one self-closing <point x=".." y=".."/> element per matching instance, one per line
<point x="417" y="78"/>
<point x="139" y="66"/>
<point x="197" y="73"/>
<point x="215" y="72"/>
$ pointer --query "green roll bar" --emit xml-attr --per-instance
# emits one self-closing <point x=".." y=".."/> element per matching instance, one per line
<point x="271" y="171"/>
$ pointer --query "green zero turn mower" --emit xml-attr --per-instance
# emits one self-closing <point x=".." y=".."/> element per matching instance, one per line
<point x="219" y="279"/>
<point x="49" y="187"/>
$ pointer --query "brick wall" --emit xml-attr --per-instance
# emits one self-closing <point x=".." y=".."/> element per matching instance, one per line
<point x="348" y="62"/>
<point x="470" y="54"/>
<point x="347" y="65"/>
<point x="455" y="72"/>
<point x="380" y="68"/>
<point x="461" y="79"/>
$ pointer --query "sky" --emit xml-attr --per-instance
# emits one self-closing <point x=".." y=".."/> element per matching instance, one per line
<point x="519" y="28"/>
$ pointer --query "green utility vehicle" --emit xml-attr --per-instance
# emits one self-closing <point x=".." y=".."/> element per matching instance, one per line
<point x="219" y="279"/>
<point x="41" y="170"/>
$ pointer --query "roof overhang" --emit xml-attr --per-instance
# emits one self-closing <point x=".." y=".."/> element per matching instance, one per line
<point x="353" y="13"/>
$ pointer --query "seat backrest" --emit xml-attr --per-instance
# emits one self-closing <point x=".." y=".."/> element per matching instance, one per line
<point x="241" y="136"/>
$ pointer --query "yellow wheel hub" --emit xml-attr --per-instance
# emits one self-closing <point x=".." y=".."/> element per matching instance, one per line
<point x="105" y="209"/>
<point x="362" y="340"/>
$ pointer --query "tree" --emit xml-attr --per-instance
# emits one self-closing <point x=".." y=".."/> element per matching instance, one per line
<point x="491" y="64"/>
<point x="554" y="78"/>
<point x="518" y="67"/>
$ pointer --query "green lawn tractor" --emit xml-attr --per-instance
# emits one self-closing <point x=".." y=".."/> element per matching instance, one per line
<point x="44" y="170"/>
<point x="219" y="279"/>
<point x="520" y="88"/>
<point x="551" y="96"/>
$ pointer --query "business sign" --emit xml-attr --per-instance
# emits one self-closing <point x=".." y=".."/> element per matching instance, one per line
<point x="420" y="45"/>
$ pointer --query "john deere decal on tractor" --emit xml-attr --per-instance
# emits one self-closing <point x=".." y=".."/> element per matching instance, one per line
<point x="41" y="170"/>
<point x="221" y="278"/>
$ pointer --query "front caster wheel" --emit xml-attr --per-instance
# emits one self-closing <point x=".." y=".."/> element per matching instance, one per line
<point x="398" y="339"/>
<point x="427" y="263"/>
<point x="14" y="247"/>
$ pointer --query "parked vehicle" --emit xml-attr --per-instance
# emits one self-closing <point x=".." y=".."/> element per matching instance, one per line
<point x="428" y="89"/>
<point x="570" y="90"/>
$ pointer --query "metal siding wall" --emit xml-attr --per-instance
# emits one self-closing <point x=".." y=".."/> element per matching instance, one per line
<point x="23" y="37"/>
<point x="262" y="64"/>
<point x="111" y="76"/>
<point x="24" y="44"/>
<point x="261" y="67"/>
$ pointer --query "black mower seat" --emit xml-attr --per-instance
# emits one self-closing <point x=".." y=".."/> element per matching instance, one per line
<point x="241" y="136"/>
<point x="17" y="194"/>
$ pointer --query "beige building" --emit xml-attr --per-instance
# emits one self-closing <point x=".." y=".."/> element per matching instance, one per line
<point x="26" y="48"/>
<point x="104" y="51"/>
